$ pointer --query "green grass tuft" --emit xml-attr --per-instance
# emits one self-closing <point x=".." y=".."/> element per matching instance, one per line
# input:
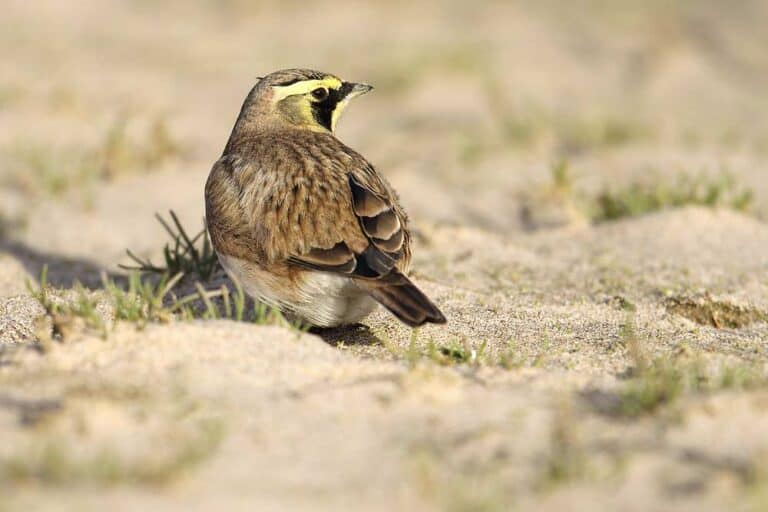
<point x="145" y="299"/>
<point x="566" y="460"/>
<point x="53" y="463"/>
<point x="651" y="195"/>
<point x="40" y="170"/>
<point x="658" y="382"/>
<point x="641" y="198"/>
<point x="184" y="254"/>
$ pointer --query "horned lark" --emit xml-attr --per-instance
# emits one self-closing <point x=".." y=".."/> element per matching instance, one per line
<point x="302" y="221"/>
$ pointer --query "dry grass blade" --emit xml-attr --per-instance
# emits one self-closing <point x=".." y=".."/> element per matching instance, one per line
<point x="181" y="254"/>
<point x="212" y="311"/>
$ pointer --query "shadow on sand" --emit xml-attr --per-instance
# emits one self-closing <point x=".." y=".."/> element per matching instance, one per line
<point x="63" y="272"/>
<point x="358" y="334"/>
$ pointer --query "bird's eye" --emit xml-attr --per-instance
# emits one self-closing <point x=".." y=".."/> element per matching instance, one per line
<point x="320" y="93"/>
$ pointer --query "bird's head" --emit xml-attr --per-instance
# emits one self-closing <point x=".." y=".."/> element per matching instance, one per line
<point x="300" y="98"/>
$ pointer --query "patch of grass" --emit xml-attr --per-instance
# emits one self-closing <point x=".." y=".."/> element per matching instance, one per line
<point x="5" y="226"/>
<point x="10" y="95"/>
<point x="183" y="254"/>
<point x="510" y="358"/>
<point x="738" y="376"/>
<point x="41" y="170"/>
<point x="545" y="353"/>
<point x="121" y="154"/>
<point x="641" y="198"/>
<point x="66" y="315"/>
<point x="664" y="381"/>
<point x="38" y="169"/>
<point x="221" y="303"/>
<point x="757" y="485"/>
<point x="457" y="489"/>
<point x="567" y="458"/>
<point x="194" y="257"/>
<point x="658" y="382"/>
<point x="144" y="300"/>
<point x="576" y="135"/>
<point x="628" y="338"/>
<point x="53" y="463"/>
<point x="656" y="193"/>
<point x="654" y="382"/>
<point x="562" y="177"/>
<point x="453" y="353"/>
<point x="476" y="494"/>
<point x="553" y="204"/>
<point x="519" y="129"/>
<point x="623" y="303"/>
<point x="528" y="126"/>
<point x="652" y="387"/>
<point x="459" y="352"/>
<point x="141" y="302"/>
<point x="471" y="147"/>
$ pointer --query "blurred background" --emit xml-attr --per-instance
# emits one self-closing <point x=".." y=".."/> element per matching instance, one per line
<point x="585" y="361"/>
<point x="494" y="114"/>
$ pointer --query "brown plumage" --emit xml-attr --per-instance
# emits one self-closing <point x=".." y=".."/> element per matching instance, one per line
<point x="301" y="220"/>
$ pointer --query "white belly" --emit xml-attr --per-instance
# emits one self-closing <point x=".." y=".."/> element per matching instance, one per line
<point x="320" y="298"/>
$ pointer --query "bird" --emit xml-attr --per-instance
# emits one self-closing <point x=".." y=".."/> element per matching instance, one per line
<point x="303" y="222"/>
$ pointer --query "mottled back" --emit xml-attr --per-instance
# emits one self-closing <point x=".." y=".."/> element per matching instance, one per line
<point x="308" y="200"/>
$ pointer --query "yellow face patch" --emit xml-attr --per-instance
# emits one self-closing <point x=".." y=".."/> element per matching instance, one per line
<point x="305" y="87"/>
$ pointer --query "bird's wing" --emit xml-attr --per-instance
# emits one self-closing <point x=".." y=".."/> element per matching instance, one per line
<point x="378" y="242"/>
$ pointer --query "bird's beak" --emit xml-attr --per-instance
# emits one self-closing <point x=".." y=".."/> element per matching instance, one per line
<point x="351" y="90"/>
<point x="347" y="91"/>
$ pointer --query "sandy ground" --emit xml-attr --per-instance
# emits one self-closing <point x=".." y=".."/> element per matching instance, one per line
<point x="473" y="104"/>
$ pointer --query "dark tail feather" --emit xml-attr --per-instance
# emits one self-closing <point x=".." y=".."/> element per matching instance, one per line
<point x="401" y="297"/>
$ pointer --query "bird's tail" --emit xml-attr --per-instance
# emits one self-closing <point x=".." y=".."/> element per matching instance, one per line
<point x="401" y="297"/>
